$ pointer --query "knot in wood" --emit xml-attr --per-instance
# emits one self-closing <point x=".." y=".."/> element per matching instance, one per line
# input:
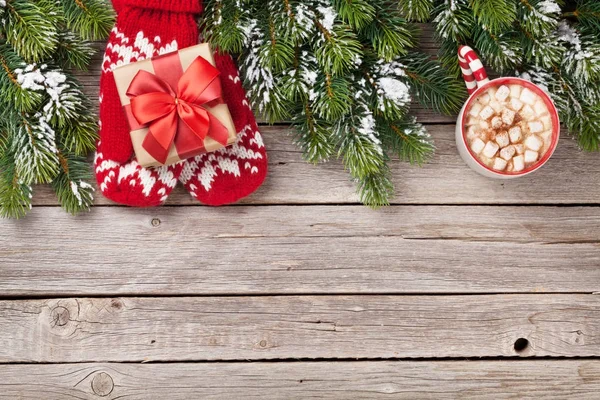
<point x="102" y="384"/>
<point x="116" y="303"/>
<point x="59" y="316"/>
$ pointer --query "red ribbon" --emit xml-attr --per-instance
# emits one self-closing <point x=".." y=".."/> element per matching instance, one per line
<point x="180" y="116"/>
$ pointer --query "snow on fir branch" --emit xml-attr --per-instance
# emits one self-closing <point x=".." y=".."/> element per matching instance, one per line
<point x="343" y="73"/>
<point x="556" y="43"/>
<point x="46" y="123"/>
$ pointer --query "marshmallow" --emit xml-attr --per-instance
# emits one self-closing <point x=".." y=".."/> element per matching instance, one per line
<point x="528" y="97"/>
<point x="490" y="149"/>
<point x="520" y="148"/>
<point x="540" y="108"/>
<point x="486" y="112"/>
<point x="515" y="91"/>
<point x="535" y="126"/>
<point x="496" y="122"/>
<point x="477" y="145"/>
<point x="502" y="93"/>
<point x="497" y="106"/>
<point x="531" y="156"/>
<point x="547" y="137"/>
<point x="483" y="124"/>
<point x="527" y="112"/>
<point x="499" y="164"/>
<point x="475" y="109"/>
<point x="502" y="139"/>
<point x="508" y="116"/>
<point x="515" y="134"/>
<point x="533" y="142"/>
<point x="507" y="152"/>
<point x="516" y="104"/>
<point x="472" y="121"/>
<point x="547" y="121"/>
<point x="484" y="99"/>
<point x="518" y="164"/>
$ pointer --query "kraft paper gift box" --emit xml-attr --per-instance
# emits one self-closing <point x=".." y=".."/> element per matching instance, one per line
<point x="171" y="69"/>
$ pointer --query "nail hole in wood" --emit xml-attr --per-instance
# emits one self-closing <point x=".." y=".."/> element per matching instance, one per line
<point x="521" y="344"/>
<point x="263" y="343"/>
<point x="152" y="341"/>
<point x="155" y="222"/>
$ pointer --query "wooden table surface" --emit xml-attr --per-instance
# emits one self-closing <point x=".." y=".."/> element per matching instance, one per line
<point x="464" y="288"/>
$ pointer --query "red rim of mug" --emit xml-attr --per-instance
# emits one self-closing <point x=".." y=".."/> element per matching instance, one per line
<point x="549" y="104"/>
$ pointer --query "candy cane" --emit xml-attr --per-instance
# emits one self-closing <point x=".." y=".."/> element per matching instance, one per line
<point x="472" y="69"/>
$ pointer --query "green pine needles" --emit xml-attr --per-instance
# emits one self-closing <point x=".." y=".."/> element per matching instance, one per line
<point x="344" y="73"/>
<point x="554" y="43"/>
<point x="46" y="126"/>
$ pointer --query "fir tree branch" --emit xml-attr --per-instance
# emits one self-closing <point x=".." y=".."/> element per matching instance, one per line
<point x="12" y="94"/>
<point x="277" y="52"/>
<point x="73" y="192"/>
<point x="90" y="19"/>
<point x="333" y="99"/>
<point x="34" y="149"/>
<point x="409" y="140"/>
<point x="538" y="17"/>
<point x="587" y="14"/>
<point x="45" y="119"/>
<point x="80" y="135"/>
<point x="454" y="20"/>
<point x="331" y="66"/>
<point x="222" y="25"/>
<point x="31" y="28"/>
<point x="356" y="13"/>
<point x="417" y="10"/>
<point x="376" y="190"/>
<point x="337" y="51"/>
<point x="72" y="51"/>
<point x="15" y="197"/>
<point x="541" y="50"/>
<point x="495" y="15"/>
<point x="432" y="86"/>
<point x="313" y="135"/>
<point x="359" y="147"/>
<point x="389" y="34"/>
<point x="501" y="52"/>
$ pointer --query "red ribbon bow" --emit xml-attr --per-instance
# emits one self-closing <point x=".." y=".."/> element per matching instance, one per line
<point x="177" y="117"/>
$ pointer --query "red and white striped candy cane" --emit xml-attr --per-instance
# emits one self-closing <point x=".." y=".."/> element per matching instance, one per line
<point x="472" y="69"/>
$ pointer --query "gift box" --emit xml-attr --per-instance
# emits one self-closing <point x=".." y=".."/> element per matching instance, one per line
<point x="174" y="107"/>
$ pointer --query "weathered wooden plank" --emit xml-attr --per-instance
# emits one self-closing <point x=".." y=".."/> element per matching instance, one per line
<point x="548" y="379"/>
<point x="294" y="249"/>
<point x="571" y="177"/>
<point x="291" y="327"/>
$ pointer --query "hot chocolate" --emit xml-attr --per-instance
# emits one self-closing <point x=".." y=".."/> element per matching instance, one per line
<point x="509" y="128"/>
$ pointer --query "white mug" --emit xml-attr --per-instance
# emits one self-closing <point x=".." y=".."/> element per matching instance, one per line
<point x="478" y="82"/>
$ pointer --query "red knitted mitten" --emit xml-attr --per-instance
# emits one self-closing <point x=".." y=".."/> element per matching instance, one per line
<point x="144" y="29"/>
<point x="235" y="172"/>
